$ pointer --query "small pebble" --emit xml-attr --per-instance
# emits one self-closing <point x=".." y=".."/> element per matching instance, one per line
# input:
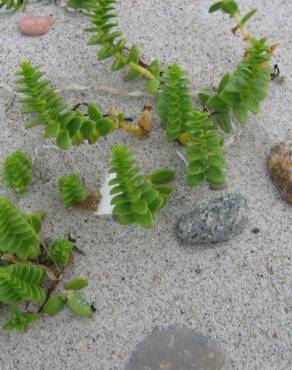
<point x="214" y="220"/>
<point x="279" y="163"/>
<point x="31" y="25"/>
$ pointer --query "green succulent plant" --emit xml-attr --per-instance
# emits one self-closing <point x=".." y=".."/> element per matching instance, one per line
<point x="238" y="93"/>
<point x="23" y="266"/>
<point x="72" y="190"/>
<point x="175" y="102"/>
<point x="20" y="321"/>
<point x="76" y="284"/>
<point x="78" y="305"/>
<point x="17" y="172"/>
<point x="195" y="129"/>
<point x="136" y="200"/>
<point x="20" y="282"/>
<point x="113" y="45"/>
<point x="205" y="151"/>
<point x="13" y="4"/>
<point x="54" y="305"/>
<point x="78" y="4"/>
<point x="74" y="300"/>
<point x="17" y="233"/>
<point x="243" y="90"/>
<point x="60" y="252"/>
<point x="67" y="126"/>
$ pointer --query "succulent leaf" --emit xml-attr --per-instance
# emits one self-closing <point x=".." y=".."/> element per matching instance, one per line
<point x="163" y="176"/>
<point x="20" y="321"/>
<point x="60" y="252"/>
<point x="205" y="151"/>
<point x="175" y="102"/>
<point x="13" y="4"/>
<point x="71" y="189"/>
<point x="54" y="305"/>
<point x="243" y="90"/>
<point x="68" y="127"/>
<point x="21" y="282"/>
<point x="102" y="16"/>
<point x="17" y="172"/>
<point x="79" y="306"/>
<point x="17" y="235"/>
<point x="135" y="200"/>
<point x="77" y="284"/>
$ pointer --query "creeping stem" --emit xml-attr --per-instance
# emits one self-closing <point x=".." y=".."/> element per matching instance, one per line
<point x="146" y="73"/>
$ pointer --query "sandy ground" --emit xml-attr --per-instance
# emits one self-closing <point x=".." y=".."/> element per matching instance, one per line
<point x="239" y="292"/>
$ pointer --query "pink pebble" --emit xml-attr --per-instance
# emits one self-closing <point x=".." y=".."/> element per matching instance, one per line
<point x="31" y="25"/>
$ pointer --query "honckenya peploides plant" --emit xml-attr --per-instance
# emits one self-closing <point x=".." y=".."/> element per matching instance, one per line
<point x="17" y="172"/>
<point x="238" y="93"/>
<point x="68" y="126"/>
<point x="137" y="198"/>
<point x="21" y="4"/>
<point x="73" y="193"/>
<point x="25" y="261"/>
<point x="199" y="130"/>
<point x="12" y="4"/>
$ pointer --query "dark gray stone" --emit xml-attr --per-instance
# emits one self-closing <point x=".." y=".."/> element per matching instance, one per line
<point x="177" y="348"/>
<point x="214" y="220"/>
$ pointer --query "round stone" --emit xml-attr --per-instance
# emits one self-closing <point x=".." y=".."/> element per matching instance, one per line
<point x="31" y="25"/>
<point x="279" y="163"/>
<point x="214" y="220"/>
<point x="177" y="348"/>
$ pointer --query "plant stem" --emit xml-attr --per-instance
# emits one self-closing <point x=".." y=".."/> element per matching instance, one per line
<point x="246" y="35"/>
<point x="144" y="71"/>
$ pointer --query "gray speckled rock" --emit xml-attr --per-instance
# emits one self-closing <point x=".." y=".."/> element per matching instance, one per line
<point x="214" y="220"/>
<point x="177" y="348"/>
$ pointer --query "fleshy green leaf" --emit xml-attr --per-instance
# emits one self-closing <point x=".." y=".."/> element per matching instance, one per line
<point x="79" y="306"/>
<point x="35" y="219"/>
<point x="217" y="103"/>
<point x="134" y="55"/>
<point x="60" y="252"/>
<point x="224" y="81"/>
<point x="17" y="235"/>
<point x="72" y="190"/>
<point x="140" y="207"/>
<point x="54" y="305"/>
<point x="20" y="321"/>
<point x="77" y="284"/>
<point x="119" y="63"/>
<point x="213" y="8"/>
<point x="241" y="113"/>
<point x="63" y="140"/>
<point x="132" y="75"/>
<point x="93" y="112"/>
<point x="247" y="17"/>
<point x="163" y="176"/>
<point x="155" y="68"/>
<point x="105" y="126"/>
<point x="224" y="121"/>
<point x="17" y="172"/>
<point x="152" y="86"/>
<point x="21" y="282"/>
<point x="137" y="200"/>
<point x="229" y="6"/>
<point x="52" y="129"/>
<point x="175" y="102"/>
<point x="215" y="175"/>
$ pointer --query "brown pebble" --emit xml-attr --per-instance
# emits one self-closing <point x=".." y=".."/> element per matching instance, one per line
<point x="31" y="25"/>
<point x="279" y="163"/>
